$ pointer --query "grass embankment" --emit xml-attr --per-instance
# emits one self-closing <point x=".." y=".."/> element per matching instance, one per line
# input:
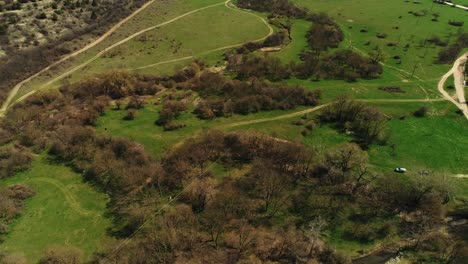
<point x="64" y="211"/>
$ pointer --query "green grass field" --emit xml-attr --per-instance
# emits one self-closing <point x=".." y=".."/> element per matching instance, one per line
<point x="64" y="211"/>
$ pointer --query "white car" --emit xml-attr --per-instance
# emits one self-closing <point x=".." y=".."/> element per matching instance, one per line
<point x="400" y="170"/>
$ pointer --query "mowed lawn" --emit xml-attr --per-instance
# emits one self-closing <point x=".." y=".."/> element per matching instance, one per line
<point x="64" y="211"/>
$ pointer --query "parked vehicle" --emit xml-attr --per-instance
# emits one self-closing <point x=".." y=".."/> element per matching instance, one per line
<point x="400" y="170"/>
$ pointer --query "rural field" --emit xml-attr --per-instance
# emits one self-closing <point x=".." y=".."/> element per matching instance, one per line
<point x="243" y="131"/>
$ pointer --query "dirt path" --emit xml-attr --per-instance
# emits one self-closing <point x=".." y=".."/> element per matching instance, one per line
<point x="263" y="120"/>
<point x="314" y="109"/>
<point x="458" y="72"/>
<point x="230" y="6"/>
<point x="15" y="90"/>
<point x="459" y="76"/>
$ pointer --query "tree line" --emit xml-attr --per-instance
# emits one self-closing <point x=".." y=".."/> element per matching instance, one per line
<point x="222" y="97"/>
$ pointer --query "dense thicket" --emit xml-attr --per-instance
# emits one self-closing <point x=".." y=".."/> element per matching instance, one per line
<point x="13" y="160"/>
<point x="366" y="123"/>
<point x="324" y="34"/>
<point x="11" y="204"/>
<point x="224" y="97"/>
<point x="279" y="208"/>
<point x="340" y="65"/>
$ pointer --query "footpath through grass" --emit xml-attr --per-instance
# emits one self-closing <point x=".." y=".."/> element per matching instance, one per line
<point x="64" y="211"/>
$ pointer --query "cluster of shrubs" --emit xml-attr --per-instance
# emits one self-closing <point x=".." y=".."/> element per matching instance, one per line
<point x="449" y="54"/>
<point x="276" y="39"/>
<point x="324" y="33"/>
<point x="224" y="97"/>
<point x="170" y="111"/>
<point x="391" y="89"/>
<point x="366" y="123"/>
<point x="341" y="65"/>
<point x="261" y="67"/>
<point x="437" y="41"/>
<point x="11" y="204"/>
<point x="13" y="160"/>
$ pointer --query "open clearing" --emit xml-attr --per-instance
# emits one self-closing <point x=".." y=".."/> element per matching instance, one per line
<point x="64" y="211"/>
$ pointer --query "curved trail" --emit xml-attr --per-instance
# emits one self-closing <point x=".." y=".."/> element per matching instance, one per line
<point x="227" y="4"/>
<point x="15" y="90"/>
<point x="74" y="204"/>
<point x="458" y="72"/>
<point x="316" y="108"/>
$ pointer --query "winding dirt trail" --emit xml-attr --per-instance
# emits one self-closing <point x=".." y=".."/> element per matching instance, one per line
<point x="458" y="71"/>
<point x="229" y="5"/>
<point x="15" y="89"/>
<point x="263" y="120"/>
<point x="316" y="108"/>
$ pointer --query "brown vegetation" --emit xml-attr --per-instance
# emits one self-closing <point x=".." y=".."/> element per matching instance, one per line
<point x="11" y="204"/>
<point x="367" y="124"/>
